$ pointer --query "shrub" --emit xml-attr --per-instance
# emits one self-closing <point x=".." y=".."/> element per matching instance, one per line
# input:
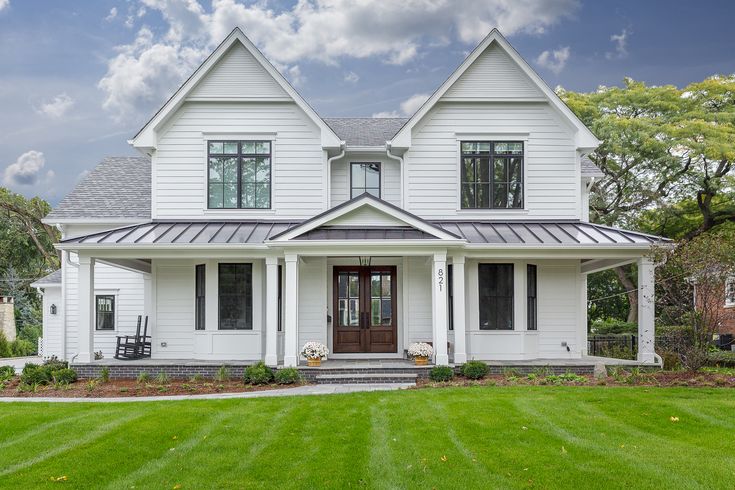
<point x="105" y="374"/>
<point x="672" y="361"/>
<point x="22" y="348"/>
<point x="6" y="373"/>
<point x="721" y="358"/>
<point x="6" y="349"/>
<point x="223" y="374"/>
<point x="162" y="378"/>
<point x="613" y="326"/>
<point x="64" y="376"/>
<point x="33" y="374"/>
<point x="258" y="374"/>
<point x="674" y="338"/>
<point x="143" y="377"/>
<point x="197" y="378"/>
<point x="475" y="370"/>
<point x="288" y="376"/>
<point x="441" y="373"/>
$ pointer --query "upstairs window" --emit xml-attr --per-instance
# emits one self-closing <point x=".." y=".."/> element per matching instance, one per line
<point x="239" y="174"/>
<point x="492" y="175"/>
<point x="730" y="291"/>
<point x="365" y="177"/>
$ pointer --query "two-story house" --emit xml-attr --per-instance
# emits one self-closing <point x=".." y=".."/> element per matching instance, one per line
<point x="250" y="225"/>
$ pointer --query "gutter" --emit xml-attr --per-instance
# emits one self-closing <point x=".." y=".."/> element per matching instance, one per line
<point x="400" y="161"/>
<point x="342" y="145"/>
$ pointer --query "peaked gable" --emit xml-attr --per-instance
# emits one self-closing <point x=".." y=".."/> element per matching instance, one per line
<point x="493" y="75"/>
<point x="237" y="75"/>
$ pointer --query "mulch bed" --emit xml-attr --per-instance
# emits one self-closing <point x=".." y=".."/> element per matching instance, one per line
<point x="131" y="388"/>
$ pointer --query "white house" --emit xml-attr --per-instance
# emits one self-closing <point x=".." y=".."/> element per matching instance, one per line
<point x="250" y="225"/>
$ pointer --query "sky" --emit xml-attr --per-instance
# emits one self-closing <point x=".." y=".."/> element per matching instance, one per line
<point x="79" y="78"/>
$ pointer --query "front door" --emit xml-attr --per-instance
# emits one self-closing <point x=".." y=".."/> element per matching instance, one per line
<point x="365" y="309"/>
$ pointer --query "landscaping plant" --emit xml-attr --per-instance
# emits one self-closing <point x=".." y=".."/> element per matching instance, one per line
<point x="287" y="376"/>
<point x="258" y="374"/>
<point x="441" y="373"/>
<point x="223" y="374"/>
<point x="475" y="370"/>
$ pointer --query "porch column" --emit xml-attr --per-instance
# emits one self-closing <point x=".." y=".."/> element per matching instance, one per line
<point x="291" y="314"/>
<point x="439" y="298"/>
<point x="460" y="348"/>
<point x="271" y="311"/>
<point x="646" y="310"/>
<point x="85" y="323"/>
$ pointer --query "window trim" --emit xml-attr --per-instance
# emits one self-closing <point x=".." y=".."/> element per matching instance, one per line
<point x="531" y="320"/>
<point x="380" y="179"/>
<point x="491" y="172"/>
<point x="219" y="298"/>
<point x="197" y="268"/>
<point x="115" y="305"/>
<point x="513" y="325"/>
<point x="239" y="156"/>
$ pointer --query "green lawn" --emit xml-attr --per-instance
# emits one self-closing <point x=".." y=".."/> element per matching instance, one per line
<point x="481" y="437"/>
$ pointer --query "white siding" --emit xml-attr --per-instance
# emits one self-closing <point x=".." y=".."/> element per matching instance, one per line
<point x="237" y="74"/>
<point x="366" y="216"/>
<point x="552" y="185"/>
<point x="558" y="310"/>
<point x="180" y="167"/>
<point x="312" y="307"/>
<point x="52" y="324"/>
<point x="418" y="299"/>
<point x="390" y="178"/>
<point x="174" y="285"/>
<point x="493" y="75"/>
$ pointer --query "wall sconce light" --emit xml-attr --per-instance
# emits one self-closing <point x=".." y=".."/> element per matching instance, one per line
<point x="365" y="261"/>
<point x="52" y="309"/>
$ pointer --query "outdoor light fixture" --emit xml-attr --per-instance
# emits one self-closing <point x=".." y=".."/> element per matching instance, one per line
<point x="52" y="309"/>
<point x="365" y="261"/>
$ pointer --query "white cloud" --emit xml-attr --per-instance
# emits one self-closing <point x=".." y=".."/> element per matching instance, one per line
<point x="324" y="31"/>
<point x="27" y="170"/>
<point x="294" y="76"/>
<point x="620" y="41"/>
<point x="408" y="107"/>
<point x="352" y="77"/>
<point x="112" y="15"/>
<point x="554" y="60"/>
<point x="56" y="107"/>
<point x="4" y="4"/>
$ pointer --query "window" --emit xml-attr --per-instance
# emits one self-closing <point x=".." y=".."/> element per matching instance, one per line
<point x="235" y="296"/>
<point x="492" y="175"/>
<point x="496" y="296"/>
<point x="450" y="295"/>
<point x="199" y="305"/>
<point x="532" y="313"/>
<point x="280" y="298"/>
<point x="239" y="174"/>
<point x="730" y="291"/>
<point x="364" y="177"/>
<point x="105" y="312"/>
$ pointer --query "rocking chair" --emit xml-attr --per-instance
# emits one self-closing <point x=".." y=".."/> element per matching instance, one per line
<point x="134" y="346"/>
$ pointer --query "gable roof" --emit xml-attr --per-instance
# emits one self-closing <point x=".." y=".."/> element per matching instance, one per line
<point x="118" y="189"/>
<point x="589" y="169"/>
<point x="146" y="137"/>
<point x="365" y="131"/>
<point x="584" y="137"/>
<point x="53" y="279"/>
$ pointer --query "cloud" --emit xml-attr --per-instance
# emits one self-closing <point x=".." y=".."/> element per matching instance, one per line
<point x="27" y="170"/>
<point x="352" y="77"/>
<point x="408" y="107"/>
<point x="112" y="15"/>
<point x="295" y="76"/>
<point x="56" y="107"/>
<point x="620" y="41"/>
<point x="323" y="31"/>
<point x="554" y="60"/>
<point x="4" y="4"/>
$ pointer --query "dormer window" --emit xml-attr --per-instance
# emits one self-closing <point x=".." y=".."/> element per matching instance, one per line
<point x="492" y="174"/>
<point x="365" y="178"/>
<point x="239" y="174"/>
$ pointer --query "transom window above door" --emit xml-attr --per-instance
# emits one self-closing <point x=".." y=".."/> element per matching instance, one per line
<point x="364" y="177"/>
<point x="239" y="174"/>
<point x="492" y="174"/>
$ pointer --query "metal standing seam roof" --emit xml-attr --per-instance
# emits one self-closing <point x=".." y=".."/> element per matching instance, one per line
<point x="517" y="233"/>
<point x="365" y="131"/>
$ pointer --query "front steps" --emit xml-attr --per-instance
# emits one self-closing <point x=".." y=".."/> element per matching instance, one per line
<point x="365" y="378"/>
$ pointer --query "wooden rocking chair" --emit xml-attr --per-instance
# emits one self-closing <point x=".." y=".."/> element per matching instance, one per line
<point x="134" y="346"/>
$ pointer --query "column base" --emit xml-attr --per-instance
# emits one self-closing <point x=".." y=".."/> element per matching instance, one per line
<point x="647" y="357"/>
<point x="271" y="360"/>
<point x="460" y="358"/>
<point x="442" y="360"/>
<point x="290" y="361"/>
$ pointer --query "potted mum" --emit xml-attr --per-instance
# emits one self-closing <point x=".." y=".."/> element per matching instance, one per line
<point x="314" y="352"/>
<point x="421" y="352"/>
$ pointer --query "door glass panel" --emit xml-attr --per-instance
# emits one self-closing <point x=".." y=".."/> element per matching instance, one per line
<point x="375" y="311"/>
<point x="375" y="284"/>
<point x="354" y="319"/>
<point x="386" y="286"/>
<point x="348" y="290"/>
<point x="354" y="286"/>
<point x="386" y="311"/>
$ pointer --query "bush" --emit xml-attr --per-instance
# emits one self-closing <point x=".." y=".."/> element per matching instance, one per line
<point x="6" y="348"/>
<point x="64" y="376"/>
<point x="258" y="374"/>
<point x="6" y="373"/>
<point x="672" y="361"/>
<point x="223" y="374"/>
<point x="441" y="373"/>
<point x="162" y="378"/>
<point x="475" y="370"/>
<point x="33" y="374"/>
<point x="53" y="363"/>
<point x="612" y="326"/>
<point x="105" y="374"/>
<point x="288" y="376"/>
<point x="674" y="338"/>
<point x="721" y="358"/>
<point x="143" y="377"/>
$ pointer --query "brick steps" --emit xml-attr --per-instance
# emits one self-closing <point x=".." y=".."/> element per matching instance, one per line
<point x="362" y="378"/>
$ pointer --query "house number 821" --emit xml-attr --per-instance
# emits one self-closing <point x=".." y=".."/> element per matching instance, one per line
<point x="440" y="279"/>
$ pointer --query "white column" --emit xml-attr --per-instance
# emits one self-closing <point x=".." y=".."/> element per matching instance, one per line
<point x="439" y="298"/>
<point x="147" y="296"/>
<point x="271" y="311"/>
<point x="85" y="324"/>
<point x="291" y="314"/>
<point x="460" y="347"/>
<point x="646" y="310"/>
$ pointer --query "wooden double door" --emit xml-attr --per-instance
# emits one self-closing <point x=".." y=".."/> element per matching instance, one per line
<point x="364" y="309"/>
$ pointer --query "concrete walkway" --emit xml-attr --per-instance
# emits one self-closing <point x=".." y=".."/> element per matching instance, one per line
<point x="19" y="362"/>
<point x="298" y="391"/>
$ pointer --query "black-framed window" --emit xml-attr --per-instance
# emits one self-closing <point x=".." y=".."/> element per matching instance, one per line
<point x="235" y="296"/>
<point x="495" y="283"/>
<point x="364" y="177"/>
<point x="280" y="298"/>
<point x="104" y="312"/>
<point x="200" y="273"/>
<point x="491" y="174"/>
<point x="531" y="298"/>
<point x="450" y="295"/>
<point x="239" y="174"/>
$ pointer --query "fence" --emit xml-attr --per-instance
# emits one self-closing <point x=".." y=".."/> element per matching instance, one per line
<point x="621" y="346"/>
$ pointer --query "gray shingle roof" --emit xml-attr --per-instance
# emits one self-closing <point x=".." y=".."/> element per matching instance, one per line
<point x="53" y="278"/>
<point x="119" y="187"/>
<point x="365" y="131"/>
<point x="589" y="169"/>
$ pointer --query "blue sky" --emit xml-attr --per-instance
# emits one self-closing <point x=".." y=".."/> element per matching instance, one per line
<point x="79" y="78"/>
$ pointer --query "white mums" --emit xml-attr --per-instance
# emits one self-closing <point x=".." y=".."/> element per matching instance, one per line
<point x="420" y="349"/>
<point x="314" y="350"/>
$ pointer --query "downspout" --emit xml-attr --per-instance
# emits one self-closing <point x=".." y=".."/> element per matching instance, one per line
<point x="400" y="161"/>
<point x="342" y="145"/>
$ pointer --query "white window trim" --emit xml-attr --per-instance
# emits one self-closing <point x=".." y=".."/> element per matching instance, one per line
<point x="729" y="282"/>
<point x="238" y="136"/>
<point x="115" y="294"/>
<point x="460" y="137"/>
